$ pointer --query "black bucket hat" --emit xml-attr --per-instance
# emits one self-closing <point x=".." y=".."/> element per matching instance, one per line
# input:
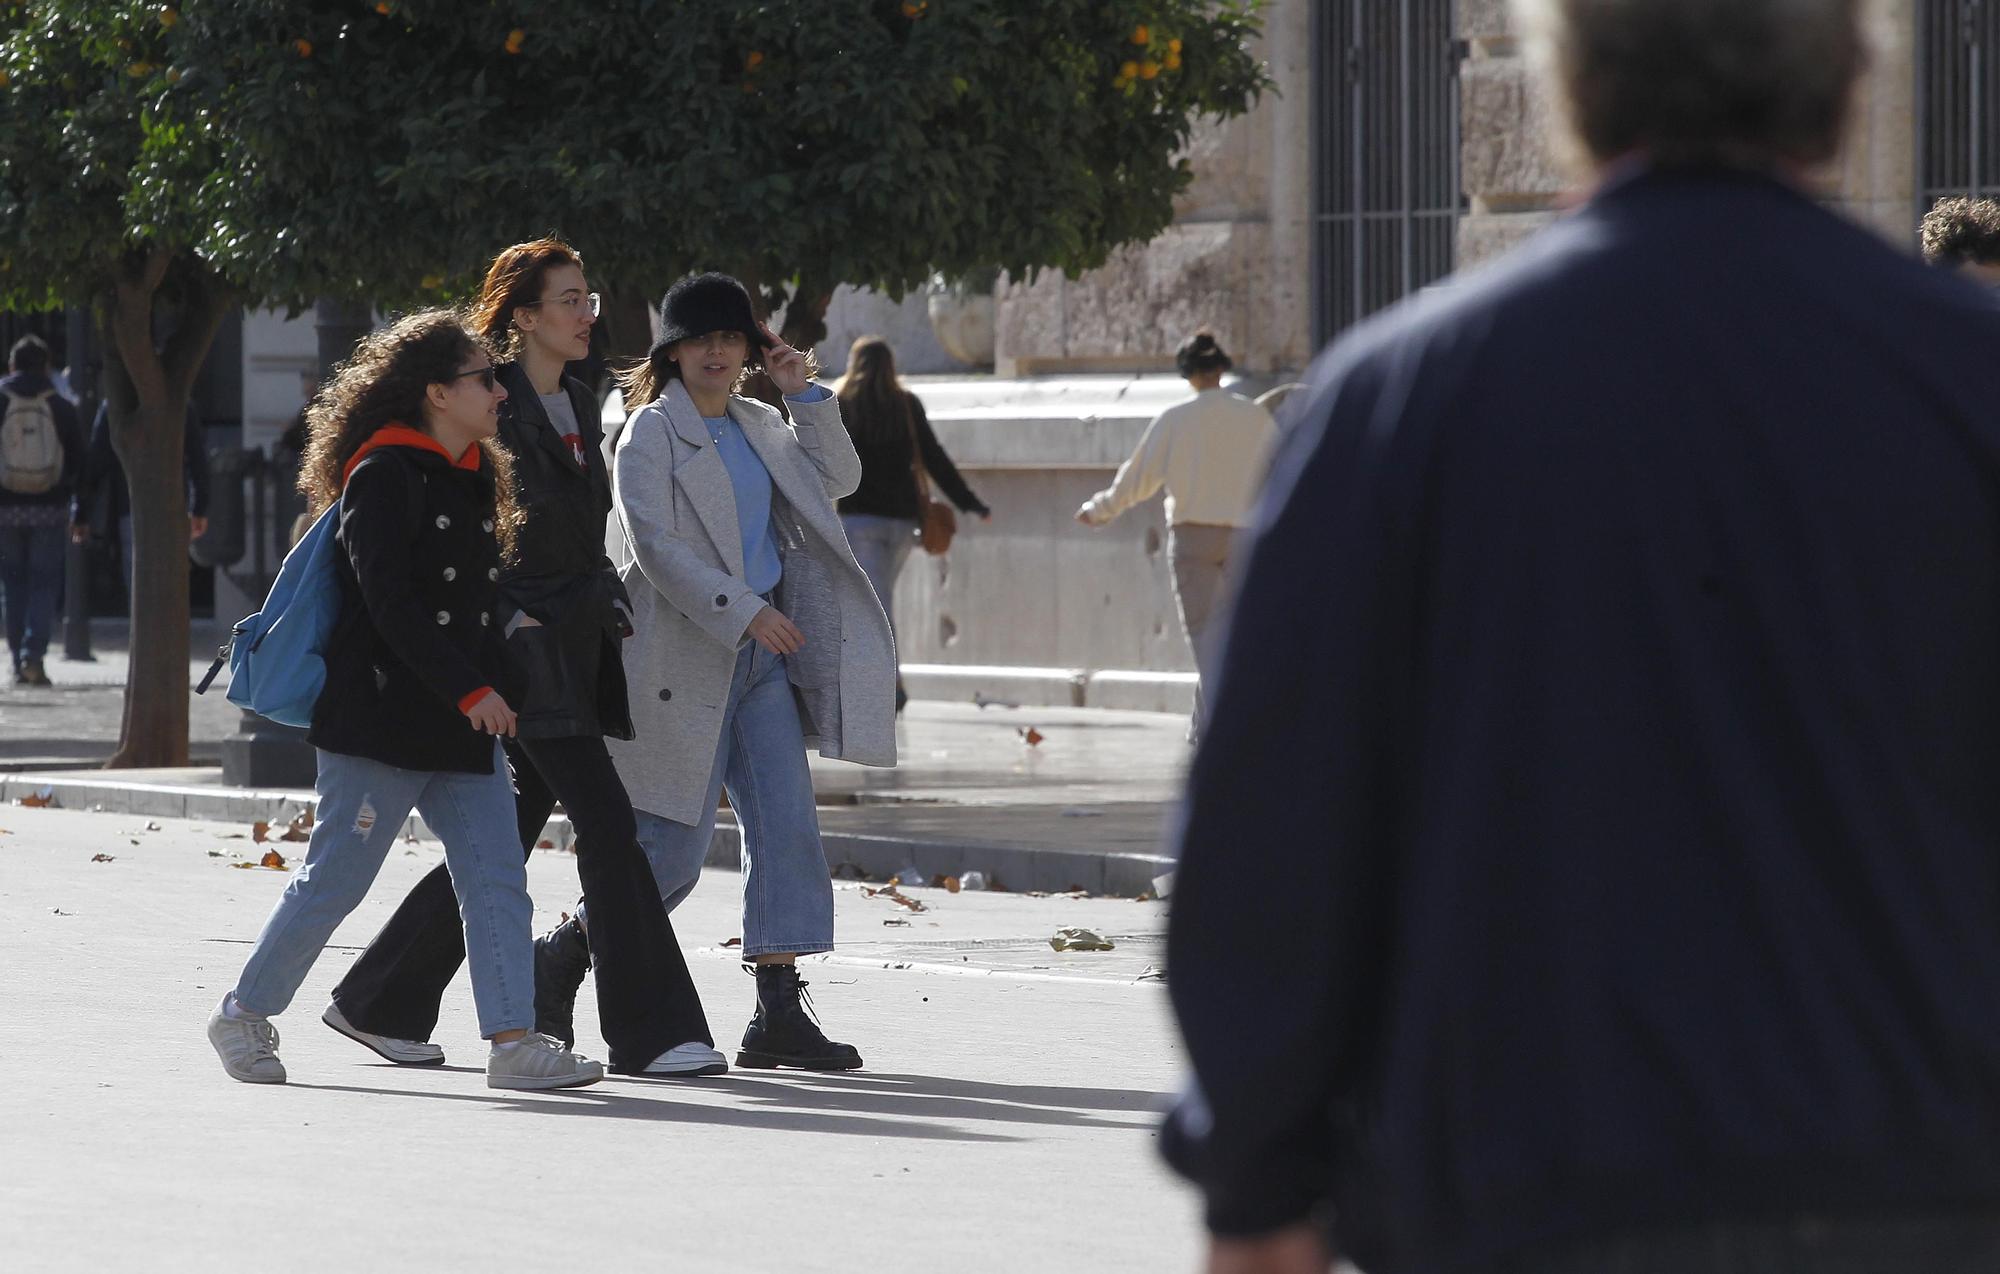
<point x="704" y="303"/>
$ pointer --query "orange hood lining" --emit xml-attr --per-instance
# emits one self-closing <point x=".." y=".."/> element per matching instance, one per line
<point x="403" y="436"/>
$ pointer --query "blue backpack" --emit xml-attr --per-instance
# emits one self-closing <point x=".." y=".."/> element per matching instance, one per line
<point x="277" y="657"/>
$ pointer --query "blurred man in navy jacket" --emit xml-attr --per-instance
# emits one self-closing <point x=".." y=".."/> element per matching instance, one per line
<point x="1606" y="755"/>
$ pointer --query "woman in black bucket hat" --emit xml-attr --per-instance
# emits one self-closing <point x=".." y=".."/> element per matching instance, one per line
<point x="758" y="635"/>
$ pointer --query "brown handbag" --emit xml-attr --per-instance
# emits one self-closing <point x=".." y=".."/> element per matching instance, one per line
<point x="937" y="521"/>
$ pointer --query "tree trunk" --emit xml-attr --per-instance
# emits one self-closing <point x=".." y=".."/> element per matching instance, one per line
<point x="148" y="442"/>
<point x="148" y="395"/>
<point x="627" y="324"/>
<point x="805" y="317"/>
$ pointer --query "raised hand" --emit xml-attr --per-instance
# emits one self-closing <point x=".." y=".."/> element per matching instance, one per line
<point x="784" y="365"/>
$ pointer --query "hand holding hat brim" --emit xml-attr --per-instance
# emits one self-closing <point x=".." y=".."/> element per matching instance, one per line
<point x="784" y="365"/>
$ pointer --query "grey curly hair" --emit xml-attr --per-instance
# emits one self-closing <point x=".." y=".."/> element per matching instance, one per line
<point x="1742" y="83"/>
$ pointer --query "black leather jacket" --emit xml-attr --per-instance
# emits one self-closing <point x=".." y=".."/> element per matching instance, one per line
<point x="570" y="665"/>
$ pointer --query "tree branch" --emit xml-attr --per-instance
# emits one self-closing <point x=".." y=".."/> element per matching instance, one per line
<point x="133" y="289"/>
<point x="209" y="301"/>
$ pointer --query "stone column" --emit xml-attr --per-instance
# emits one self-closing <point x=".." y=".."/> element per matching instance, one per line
<point x="1235" y="259"/>
<point x="1508" y="171"/>
<point x="1511" y="175"/>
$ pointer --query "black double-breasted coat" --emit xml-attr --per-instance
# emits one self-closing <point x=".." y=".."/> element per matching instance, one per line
<point x="419" y="632"/>
<point x="572" y="676"/>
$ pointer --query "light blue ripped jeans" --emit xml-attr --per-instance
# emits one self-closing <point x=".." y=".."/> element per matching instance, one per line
<point x="362" y="806"/>
<point x="761" y="761"/>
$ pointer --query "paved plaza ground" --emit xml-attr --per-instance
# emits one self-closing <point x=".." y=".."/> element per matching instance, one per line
<point x="1005" y="1120"/>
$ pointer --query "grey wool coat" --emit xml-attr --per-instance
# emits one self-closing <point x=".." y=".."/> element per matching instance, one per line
<point x="675" y="541"/>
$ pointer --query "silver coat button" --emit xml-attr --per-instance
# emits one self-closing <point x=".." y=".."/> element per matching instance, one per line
<point x="443" y="522"/>
<point x="450" y="573"/>
<point x="492" y="572"/>
<point x="487" y="526"/>
<point x="485" y="617"/>
<point x="444" y="617"/>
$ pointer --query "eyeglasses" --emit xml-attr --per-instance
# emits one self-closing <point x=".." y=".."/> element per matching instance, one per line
<point x="485" y="375"/>
<point x="573" y="300"/>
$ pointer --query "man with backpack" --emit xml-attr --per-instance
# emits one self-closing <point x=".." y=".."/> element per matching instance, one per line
<point x="41" y="451"/>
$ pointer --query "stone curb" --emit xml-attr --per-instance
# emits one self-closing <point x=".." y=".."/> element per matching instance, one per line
<point x="1020" y="868"/>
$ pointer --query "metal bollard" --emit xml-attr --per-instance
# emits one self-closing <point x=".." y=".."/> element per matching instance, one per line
<point x="76" y="603"/>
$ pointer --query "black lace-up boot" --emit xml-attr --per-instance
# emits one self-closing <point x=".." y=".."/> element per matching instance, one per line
<point x="785" y="1031"/>
<point x="562" y="957"/>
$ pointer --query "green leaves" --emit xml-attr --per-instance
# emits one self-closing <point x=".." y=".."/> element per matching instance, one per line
<point x="350" y="148"/>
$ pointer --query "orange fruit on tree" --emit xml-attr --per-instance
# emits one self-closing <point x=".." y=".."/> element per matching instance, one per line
<point x="515" y="39"/>
<point x="303" y="47"/>
<point x="1148" y="69"/>
<point x="753" y="61"/>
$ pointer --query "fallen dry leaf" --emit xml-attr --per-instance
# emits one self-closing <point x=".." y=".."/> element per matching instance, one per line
<point x="545" y="843"/>
<point x="39" y="800"/>
<point x="1030" y="736"/>
<point x="948" y="883"/>
<point x="244" y="865"/>
<point x="105" y="858"/>
<point x="259" y="830"/>
<point x="894" y="895"/>
<point x="732" y="942"/>
<point x="1071" y="938"/>
<point x="152" y="827"/>
<point x="300" y="828"/>
<point x="272" y="858"/>
<point x="897" y="921"/>
<point x="215" y="853"/>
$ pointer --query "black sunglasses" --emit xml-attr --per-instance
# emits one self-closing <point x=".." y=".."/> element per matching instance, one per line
<point x="485" y="375"/>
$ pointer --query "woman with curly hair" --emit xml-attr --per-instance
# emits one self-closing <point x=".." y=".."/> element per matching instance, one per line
<point x="571" y="618"/>
<point x="413" y="709"/>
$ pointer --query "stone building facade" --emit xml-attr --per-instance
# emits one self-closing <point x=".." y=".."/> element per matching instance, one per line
<point x="1512" y="178"/>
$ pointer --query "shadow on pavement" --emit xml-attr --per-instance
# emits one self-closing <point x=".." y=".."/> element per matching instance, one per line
<point x="598" y="1102"/>
<point x="945" y="1088"/>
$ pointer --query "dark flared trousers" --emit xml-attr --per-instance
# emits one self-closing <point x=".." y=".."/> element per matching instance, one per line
<point x="646" y="1002"/>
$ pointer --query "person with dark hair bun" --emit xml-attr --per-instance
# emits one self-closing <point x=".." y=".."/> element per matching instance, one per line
<point x="1208" y="454"/>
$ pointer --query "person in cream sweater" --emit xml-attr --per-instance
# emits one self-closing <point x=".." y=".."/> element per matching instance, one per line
<point x="1209" y="455"/>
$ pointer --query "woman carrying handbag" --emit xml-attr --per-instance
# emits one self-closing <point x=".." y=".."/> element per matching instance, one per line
<point x="901" y="460"/>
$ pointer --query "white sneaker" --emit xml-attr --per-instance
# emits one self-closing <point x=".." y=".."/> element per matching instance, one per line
<point x="248" y="1048"/>
<point x="692" y="1058"/>
<point x="401" y="1052"/>
<point x="539" y="1062"/>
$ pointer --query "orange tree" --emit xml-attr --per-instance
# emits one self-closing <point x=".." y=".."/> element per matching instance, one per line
<point x="165" y="163"/>
<point x="798" y="144"/>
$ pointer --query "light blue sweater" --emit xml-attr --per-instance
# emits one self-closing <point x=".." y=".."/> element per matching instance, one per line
<point x="762" y="568"/>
